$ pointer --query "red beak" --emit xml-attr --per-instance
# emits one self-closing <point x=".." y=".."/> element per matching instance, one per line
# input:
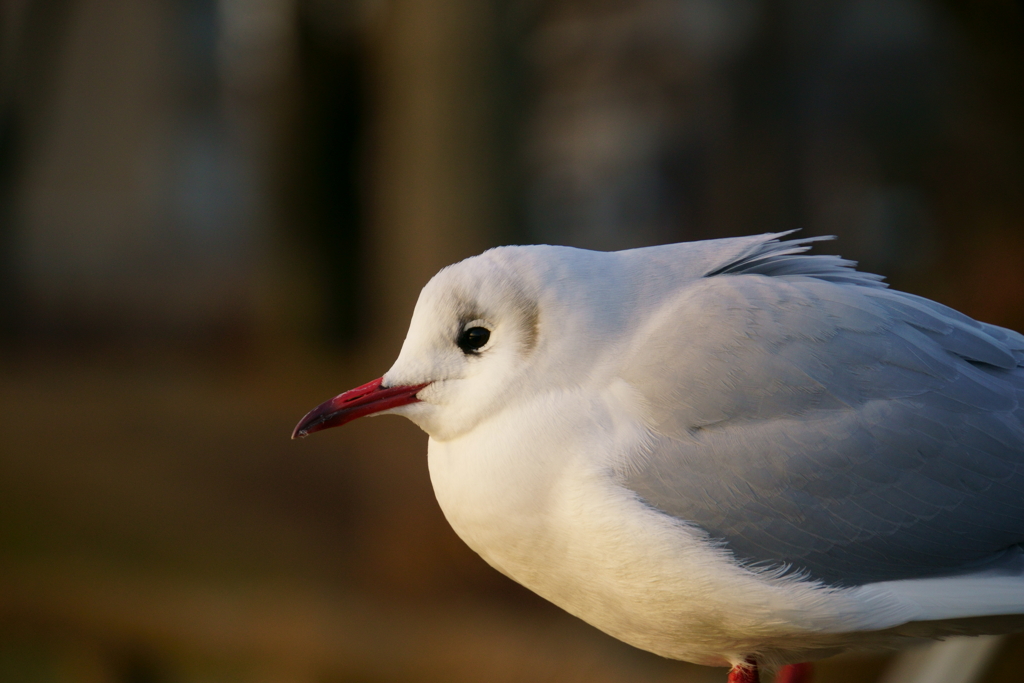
<point x="365" y="400"/>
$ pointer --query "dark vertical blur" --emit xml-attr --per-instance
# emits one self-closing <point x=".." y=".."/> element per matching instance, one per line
<point x="327" y="191"/>
<point x="215" y="214"/>
<point x="31" y="36"/>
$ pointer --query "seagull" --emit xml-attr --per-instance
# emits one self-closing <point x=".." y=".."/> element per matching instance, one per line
<point x="730" y="452"/>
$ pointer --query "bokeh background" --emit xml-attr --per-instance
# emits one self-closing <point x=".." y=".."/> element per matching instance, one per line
<point x="215" y="214"/>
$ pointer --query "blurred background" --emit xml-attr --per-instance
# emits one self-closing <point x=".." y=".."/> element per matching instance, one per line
<point x="215" y="214"/>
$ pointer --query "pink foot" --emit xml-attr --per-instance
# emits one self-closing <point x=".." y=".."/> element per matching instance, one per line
<point x="744" y="673"/>
<point x="795" y="673"/>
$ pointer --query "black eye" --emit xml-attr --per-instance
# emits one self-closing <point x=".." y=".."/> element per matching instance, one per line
<point x="473" y="339"/>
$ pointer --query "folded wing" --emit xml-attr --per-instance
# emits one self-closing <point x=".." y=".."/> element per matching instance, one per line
<point x="832" y="426"/>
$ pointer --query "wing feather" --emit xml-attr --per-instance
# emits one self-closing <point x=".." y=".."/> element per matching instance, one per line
<point x="850" y="432"/>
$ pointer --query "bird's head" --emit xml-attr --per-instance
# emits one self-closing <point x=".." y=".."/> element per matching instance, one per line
<point x="484" y="332"/>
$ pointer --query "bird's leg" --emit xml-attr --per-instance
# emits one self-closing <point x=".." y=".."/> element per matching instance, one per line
<point x="745" y="672"/>
<point x="795" y="673"/>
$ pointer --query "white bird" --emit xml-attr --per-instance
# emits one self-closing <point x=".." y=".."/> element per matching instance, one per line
<point x="728" y="452"/>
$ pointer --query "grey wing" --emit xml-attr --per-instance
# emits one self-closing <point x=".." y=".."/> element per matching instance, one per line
<point x="851" y="433"/>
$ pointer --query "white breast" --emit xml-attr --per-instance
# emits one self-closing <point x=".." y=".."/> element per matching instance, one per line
<point x="546" y="511"/>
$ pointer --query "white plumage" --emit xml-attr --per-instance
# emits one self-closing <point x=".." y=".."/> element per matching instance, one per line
<point x="720" y="451"/>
